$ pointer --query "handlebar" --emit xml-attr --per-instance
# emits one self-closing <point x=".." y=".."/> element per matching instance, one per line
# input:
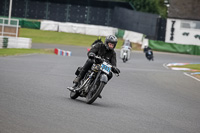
<point x="102" y="59"/>
<point x="99" y="58"/>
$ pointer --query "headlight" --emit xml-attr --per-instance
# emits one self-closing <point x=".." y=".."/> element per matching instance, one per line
<point x="95" y="67"/>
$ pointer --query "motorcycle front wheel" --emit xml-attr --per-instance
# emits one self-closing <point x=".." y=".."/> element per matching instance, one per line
<point x="124" y="59"/>
<point x="94" y="93"/>
<point x="74" y="95"/>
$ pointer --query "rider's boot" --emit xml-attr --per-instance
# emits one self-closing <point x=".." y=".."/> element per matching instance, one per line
<point x="79" y="77"/>
<point x="76" y="81"/>
<point x="72" y="88"/>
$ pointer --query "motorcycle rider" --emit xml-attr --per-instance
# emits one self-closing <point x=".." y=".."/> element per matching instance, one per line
<point x="105" y="51"/>
<point x="147" y="49"/>
<point x="128" y="44"/>
<point x="126" y="47"/>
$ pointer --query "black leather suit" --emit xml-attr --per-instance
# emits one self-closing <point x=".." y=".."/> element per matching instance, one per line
<point x="99" y="49"/>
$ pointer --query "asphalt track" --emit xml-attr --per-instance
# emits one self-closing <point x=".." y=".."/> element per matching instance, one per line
<point x="145" y="98"/>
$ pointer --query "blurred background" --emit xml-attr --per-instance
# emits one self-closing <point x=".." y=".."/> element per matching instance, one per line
<point x="163" y="23"/>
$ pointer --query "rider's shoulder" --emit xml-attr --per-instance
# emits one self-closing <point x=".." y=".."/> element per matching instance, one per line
<point x="99" y="44"/>
<point x="113" y="51"/>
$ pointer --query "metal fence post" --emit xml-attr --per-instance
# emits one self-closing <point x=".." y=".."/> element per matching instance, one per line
<point x="47" y="10"/>
<point x="88" y="12"/>
<point x="26" y="8"/>
<point x="67" y="12"/>
<point x="108" y="17"/>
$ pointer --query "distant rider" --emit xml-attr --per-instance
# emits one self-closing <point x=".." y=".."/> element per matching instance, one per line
<point x="126" y="47"/>
<point x="148" y="52"/>
<point x="128" y="44"/>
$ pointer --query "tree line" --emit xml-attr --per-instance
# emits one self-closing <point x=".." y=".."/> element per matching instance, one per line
<point x="150" y="6"/>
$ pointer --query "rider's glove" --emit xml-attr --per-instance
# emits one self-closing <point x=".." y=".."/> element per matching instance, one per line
<point x="115" y="70"/>
<point x="98" y="60"/>
<point x="91" y="55"/>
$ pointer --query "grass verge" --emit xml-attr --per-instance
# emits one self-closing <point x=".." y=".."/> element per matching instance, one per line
<point x="193" y="67"/>
<point x="52" y="37"/>
<point x="15" y="51"/>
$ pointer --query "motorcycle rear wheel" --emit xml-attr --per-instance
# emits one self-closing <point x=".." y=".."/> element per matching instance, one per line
<point x="94" y="93"/>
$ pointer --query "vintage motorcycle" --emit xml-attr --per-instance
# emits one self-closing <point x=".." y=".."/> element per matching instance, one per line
<point x="94" y="81"/>
<point x="125" y="54"/>
<point x="149" y="55"/>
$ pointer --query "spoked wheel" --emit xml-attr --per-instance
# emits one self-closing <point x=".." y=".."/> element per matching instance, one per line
<point x="152" y="58"/>
<point x="94" y="92"/>
<point x="124" y="59"/>
<point x="74" y="95"/>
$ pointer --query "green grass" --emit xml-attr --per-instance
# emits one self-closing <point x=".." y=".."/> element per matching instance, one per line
<point x="52" y="37"/>
<point x="191" y="66"/>
<point x="14" y="51"/>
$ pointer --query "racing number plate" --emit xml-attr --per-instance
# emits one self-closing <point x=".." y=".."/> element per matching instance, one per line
<point x="105" y="67"/>
<point x="126" y="47"/>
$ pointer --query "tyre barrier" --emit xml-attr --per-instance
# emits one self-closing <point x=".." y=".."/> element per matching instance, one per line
<point x="62" y="52"/>
<point x="15" y="42"/>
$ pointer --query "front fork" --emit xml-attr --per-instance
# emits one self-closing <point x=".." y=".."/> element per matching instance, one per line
<point x="85" y="82"/>
<point x="101" y="77"/>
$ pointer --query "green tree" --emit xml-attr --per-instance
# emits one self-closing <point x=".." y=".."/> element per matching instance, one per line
<point x="151" y="6"/>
